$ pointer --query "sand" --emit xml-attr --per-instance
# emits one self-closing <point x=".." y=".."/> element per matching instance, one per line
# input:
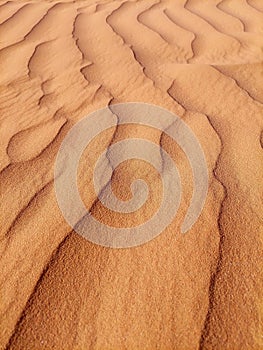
<point x="202" y="60"/>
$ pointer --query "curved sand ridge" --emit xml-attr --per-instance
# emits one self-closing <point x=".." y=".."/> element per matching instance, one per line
<point x="202" y="60"/>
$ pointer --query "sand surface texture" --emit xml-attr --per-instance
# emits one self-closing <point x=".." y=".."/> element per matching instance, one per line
<point x="59" y="61"/>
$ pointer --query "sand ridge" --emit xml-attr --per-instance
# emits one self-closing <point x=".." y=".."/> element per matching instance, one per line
<point x="62" y="60"/>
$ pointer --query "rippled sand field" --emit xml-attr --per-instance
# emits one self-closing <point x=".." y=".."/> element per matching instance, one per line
<point x="200" y="59"/>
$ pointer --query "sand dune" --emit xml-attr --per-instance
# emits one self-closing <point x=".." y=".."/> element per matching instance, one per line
<point x="202" y="60"/>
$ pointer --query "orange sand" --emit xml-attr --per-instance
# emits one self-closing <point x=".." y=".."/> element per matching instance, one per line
<point x="201" y="59"/>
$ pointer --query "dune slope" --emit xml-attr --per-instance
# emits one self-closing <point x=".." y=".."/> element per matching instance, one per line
<point x="202" y="60"/>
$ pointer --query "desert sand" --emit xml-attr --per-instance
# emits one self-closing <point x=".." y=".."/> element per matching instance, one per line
<point x="201" y="60"/>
